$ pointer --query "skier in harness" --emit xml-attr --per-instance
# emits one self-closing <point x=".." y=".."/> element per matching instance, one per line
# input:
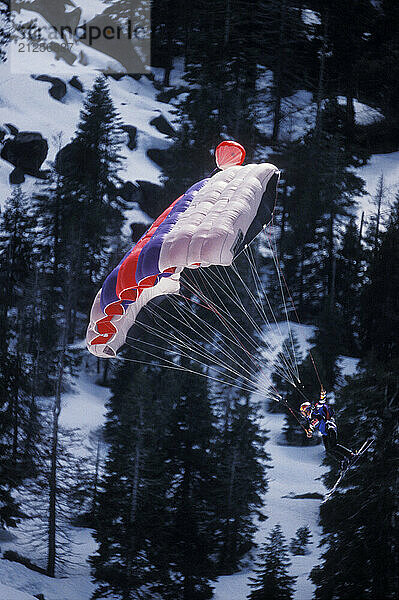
<point x="320" y="416"/>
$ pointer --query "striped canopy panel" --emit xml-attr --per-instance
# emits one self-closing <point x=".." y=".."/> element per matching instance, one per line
<point x="208" y="225"/>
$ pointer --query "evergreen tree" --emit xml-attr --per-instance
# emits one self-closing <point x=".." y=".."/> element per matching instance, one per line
<point x="284" y="376"/>
<point x="379" y="299"/>
<point x="360" y="556"/>
<point x="346" y="49"/>
<point x="78" y="210"/>
<point x="17" y="244"/>
<point x="327" y="346"/>
<point x="240" y="477"/>
<point x="189" y="530"/>
<point x="322" y="187"/>
<point x="272" y="581"/>
<point x="4" y="29"/>
<point x="127" y="510"/>
<point x="349" y="279"/>
<point x="284" y="39"/>
<point x="49" y="539"/>
<point x="20" y="427"/>
<point x="299" y="544"/>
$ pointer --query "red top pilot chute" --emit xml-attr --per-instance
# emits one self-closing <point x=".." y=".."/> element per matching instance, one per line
<point x="229" y="154"/>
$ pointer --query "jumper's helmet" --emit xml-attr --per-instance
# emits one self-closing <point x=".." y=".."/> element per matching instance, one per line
<point x="323" y="395"/>
<point x="306" y="409"/>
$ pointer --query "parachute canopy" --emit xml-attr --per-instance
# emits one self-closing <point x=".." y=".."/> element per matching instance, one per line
<point x="208" y="225"/>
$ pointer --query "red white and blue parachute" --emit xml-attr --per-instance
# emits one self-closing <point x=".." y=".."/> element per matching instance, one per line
<point x="208" y="225"/>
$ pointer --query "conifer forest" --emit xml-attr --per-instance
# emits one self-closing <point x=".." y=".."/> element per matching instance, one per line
<point x="174" y="437"/>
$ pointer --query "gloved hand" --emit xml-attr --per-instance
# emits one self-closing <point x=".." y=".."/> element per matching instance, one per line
<point x="311" y="428"/>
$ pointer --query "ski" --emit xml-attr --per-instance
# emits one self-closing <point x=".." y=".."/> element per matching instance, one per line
<point x="363" y="448"/>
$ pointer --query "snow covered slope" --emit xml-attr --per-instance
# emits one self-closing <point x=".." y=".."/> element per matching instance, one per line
<point x="26" y="104"/>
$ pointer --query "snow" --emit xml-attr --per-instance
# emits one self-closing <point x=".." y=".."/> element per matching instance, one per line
<point x="39" y="56"/>
<point x="299" y="110"/>
<point x="9" y="593"/>
<point x="310" y="17"/>
<point x="295" y="470"/>
<point x="83" y="407"/>
<point x="91" y="8"/>
<point x="379" y="164"/>
<point x="364" y="115"/>
<point x="75" y="586"/>
<point x="348" y="365"/>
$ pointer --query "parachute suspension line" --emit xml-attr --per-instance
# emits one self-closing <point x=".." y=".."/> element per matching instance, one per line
<point x="266" y="388"/>
<point x="188" y="342"/>
<point x="188" y="354"/>
<point x="218" y="312"/>
<point x="287" y="358"/>
<point x="278" y="269"/>
<point x="247" y="249"/>
<point x="173" y="366"/>
<point x="181" y="352"/>
<point x="211" y="341"/>
<point x="213" y="331"/>
<point x="297" y="318"/>
<point x="285" y="375"/>
<point x="234" y="339"/>
<point x="221" y="283"/>
<point x="212" y="307"/>
<point x="295" y="416"/>
<point x="201" y="295"/>
<point x="242" y="307"/>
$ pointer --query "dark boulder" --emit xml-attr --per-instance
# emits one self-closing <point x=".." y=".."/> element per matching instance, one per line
<point x="131" y="130"/>
<point x="160" y="157"/>
<point x="152" y="198"/>
<point x="58" y="88"/>
<point x="76" y="83"/>
<point x="129" y="192"/>
<point x="27" y="150"/>
<point x="137" y="230"/>
<point x="74" y="158"/>
<point x="163" y="126"/>
<point x="17" y="176"/>
<point x="11" y="128"/>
